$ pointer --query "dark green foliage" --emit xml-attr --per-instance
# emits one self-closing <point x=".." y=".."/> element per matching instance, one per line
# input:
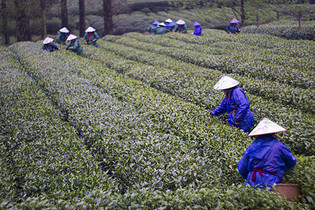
<point x="285" y="29"/>
<point x="124" y="127"/>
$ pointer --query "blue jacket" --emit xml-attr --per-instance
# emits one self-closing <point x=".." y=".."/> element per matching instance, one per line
<point x="236" y="102"/>
<point x="197" y="31"/>
<point x="50" y="47"/>
<point x="233" y="28"/>
<point x="269" y="156"/>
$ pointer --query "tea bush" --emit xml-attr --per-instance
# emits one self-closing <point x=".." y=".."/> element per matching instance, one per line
<point x="200" y="91"/>
<point x="123" y="127"/>
<point x="285" y="29"/>
<point x="40" y="153"/>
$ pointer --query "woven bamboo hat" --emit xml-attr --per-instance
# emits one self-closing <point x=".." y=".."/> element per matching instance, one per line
<point x="266" y="126"/>
<point x="225" y="82"/>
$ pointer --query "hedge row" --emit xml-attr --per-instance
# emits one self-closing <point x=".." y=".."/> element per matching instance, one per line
<point x="227" y="64"/>
<point x="126" y="134"/>
<point x="285" y="29"/>
<point x="193" y="85"/>
<point x="147" y="141"/>
<point x="278" y="92"/>
<point x="271" y="44"/>
<point x="233" y="49"/>
<point x="234" y="197"/>
<point x="40" y="153"/>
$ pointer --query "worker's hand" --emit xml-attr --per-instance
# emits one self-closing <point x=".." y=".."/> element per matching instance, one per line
<point x="237" y="122"/>
<point x="211" y="115"/>
<point x="230" y="32"/>
<point x="58" y="48"/>
<point x="85" y="42"/>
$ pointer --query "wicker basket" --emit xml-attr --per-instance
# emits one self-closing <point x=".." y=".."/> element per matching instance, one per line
<point x="290" y="191"/>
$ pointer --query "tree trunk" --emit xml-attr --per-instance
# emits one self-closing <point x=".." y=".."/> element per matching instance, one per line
<point x="44" y="19"/>
<point x="82" y="17"/>
<point x="5" y="22"/>
<point x="300" y="17"/>
<point x="64" y="13"/>
<point x="108" y="17"/>
<point x="243" y="15"/>
<point x="257" y="20"/>
<point x="23" y="32"/>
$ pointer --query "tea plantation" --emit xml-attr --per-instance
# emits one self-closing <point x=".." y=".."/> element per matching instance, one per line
<point x="126" y="125"/>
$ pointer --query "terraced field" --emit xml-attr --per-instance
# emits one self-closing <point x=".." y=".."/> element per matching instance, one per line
<point x="127" y="124"/>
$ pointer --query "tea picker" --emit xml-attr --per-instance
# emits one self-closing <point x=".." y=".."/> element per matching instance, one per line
<point x="62" y="35"/>
<point x="198" y="29"/>
<point x="266" y="159"/>
<point x="152" y="28"/>
<point x="170" y="25"/>
<point x="181" y="26"/>
<point x="74" y="44"/>
<point x="233" y="28"/>
<point x="235" y="103"/>
<point x="90" y="36"/>
<point x="161" y="29"/>
<point x="49" y="45"/>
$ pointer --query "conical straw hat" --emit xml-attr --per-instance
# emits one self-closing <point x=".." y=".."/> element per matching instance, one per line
<point x="266" y="126"/>
<point x="90" y="29"/>
<point x="196" y="24"/>
<point x="71" y="37"/>
<point x="48" y="40"/>
<point x="234" y="21"/>
<point x="225" y="83"/>
<point x="162" y="24"/>
<point x="155" y="22"/>
<point x="168" y="20"/>
<point x="64" y="30"/>
<point x="180" y="22"/>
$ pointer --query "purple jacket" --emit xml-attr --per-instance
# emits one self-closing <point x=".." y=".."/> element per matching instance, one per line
<point x="237" y="103"/>
<point x="264" y="162"/>
<point x="197" y="31"/>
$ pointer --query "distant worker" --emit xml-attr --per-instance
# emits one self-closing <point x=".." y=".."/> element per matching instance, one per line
<point x="62" y="35"/>
<point x="74" y="44"/>
<point x="152" y="28"/>
<point x="198" y="29"/>
<point x="266" y="159"/>
<point x="181" y="26"/>
<point x="171" y="26"/>
<point x="235" y="103"/>
<point x="90" y="36"/>
<point x="161" y="29"/>
<point x="232" y="28"/>
<point x="167" y="22"/>
<point x="48" y="45"/>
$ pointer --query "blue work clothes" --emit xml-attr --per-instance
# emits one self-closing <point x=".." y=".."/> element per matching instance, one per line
<point x="75" y="46"/>
<point x="61" y="37"/>
<point x="233" y="28"/>
<point x="90" y="38"/>
<point x="265" y="161"/>
<point x="161" y="30"/>
<point x="237" y="105"/>
<point x="152" y="29"/>
<point x="198" y="31"/>
<point x="50" y="47"/>
<point x="181" y="28"/>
